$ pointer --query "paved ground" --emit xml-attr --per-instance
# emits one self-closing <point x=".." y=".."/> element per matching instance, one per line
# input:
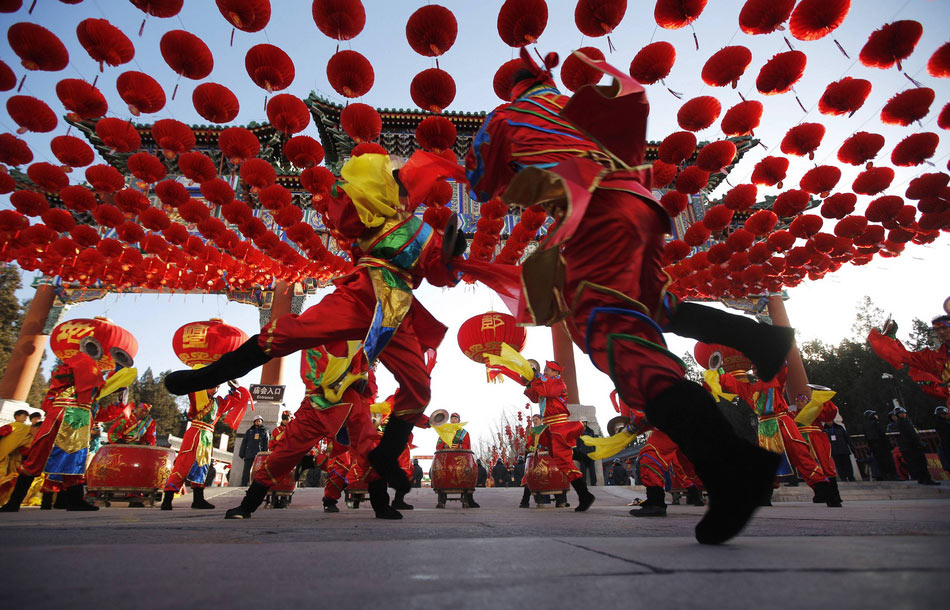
<point x="873" y="553"/>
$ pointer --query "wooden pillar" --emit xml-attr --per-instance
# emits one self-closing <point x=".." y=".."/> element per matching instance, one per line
<point x="28" y="351"/>
<point x="797" y="378"/>
<point x="272" y="371"/>
<point x="564" y="354"/>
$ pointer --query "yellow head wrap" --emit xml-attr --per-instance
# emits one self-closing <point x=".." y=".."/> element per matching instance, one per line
<point x="368" y="180"/>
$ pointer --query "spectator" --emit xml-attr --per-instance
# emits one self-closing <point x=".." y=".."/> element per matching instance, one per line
<point x="841" y="450"/>
<point x="912" y="449"/>
<point x="518" y="472"/>
<point x="255" y="441"/>
<point x="482" y="473"/>
<point x="212" y="474"/>
<point x="619" y="474"/>
<point x="499" y="473"/>
<point x="892" y="425"/>
<point x="510" y="481"/>
<point x="587" y="465"/>
<point x="942" y="426"/>
<point x="36" y="418"/>
<point x="417" y="473"/>
<point x="880" y="447"/>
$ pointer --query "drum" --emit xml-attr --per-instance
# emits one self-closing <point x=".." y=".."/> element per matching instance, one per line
<point x="140" y="468"/>
<point x="543" y="476"/>
<point x="357" y="489"/>
<point x="454" y="470"/>
<point x="285" y="485"/>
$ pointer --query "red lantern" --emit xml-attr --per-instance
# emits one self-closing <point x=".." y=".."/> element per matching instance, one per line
<point x="717" y="218"/>
<point x="431" y="30"/>
<point x="141" y="92"/>
<point x="238" y="144"/>
<point x="432" y="90"/>
<point x="696" y="235"/>
<point x="29" y="203"/>
<point x="595" y="18"/>
<point x="791" y="202"/>
<point x="483" y="334"/>
<point x="521" y="22"/>
<point x="245" y="15"/>
<point x="884" y="208"/>
<point x="79" y="199"/>
<point x="927" y="185"/>
<point x="368" y="148"/>
<point x="146" y="167"/>
<point x="676" y="14"/>
<point x="350" y="74"/>
<point x="118" y="135"/>
<point x="741" y="197"/>
<point x="201" y="343"/>
<point x="803" y="139"/>
<point x="820" y="179"/>
<point x="47" y="176"/>
<point x="770" y="171"/>
<point x="7" y="77"/>
<point x="915" y="149"/>
<point x="217" y="191"/>
<point x="501" y="83"/>
<point x="716" y="155"/>
<point x="677" y="147"/>
<point x="781" y="72"/>
<point x="576" y="74"/>
<point x="287" y="113"/>
<point x="162" y="9"/>
<point x="873" y="181"/>
<point x="81" y="98"/>
<point x="104" y="178"/>
<point x="269" y="67"/>
<point x="698" y="113"/>
<point x="938" y="65"/>
<point x="663" y="173"/>
<point x="436" y="133"/>
<point x="676" y="250"/>
<point x="14" y="151"/>
<point x="761" y="222"/>
<point x="31" y="114"/>
<point x="215" y="103"/>
<point x="891" y="44"/>
<point x="674" y="202"/>
<point x="845" y="96"/>
<point x="173" y="137"/>
<point x="257" y="173"/>
<point x="67" y="340"/>
<point x="692" y="180"/>
<point x="860" y="148"/>
<point x="37" y="47"/>
<point x="303" y="151"/>
<point x="172" y="193"/>
<point x="764" y="16"/>
<point x="742" y="119"/>
<point x="198" y="167"/>
<point x="104" y="42"/>
<point x="317" y="181"/>
<point x="726" y="66"/>
<point x="71" y="151"/>
<point x="186" y="54"/>
<point x="908" y="106"/>
<point x="805" y="226"/>
<point x="339" y="19"/>
<point x="361" y="122"/>
<point x="653" y="62"/>
<point x="814" y="19"/>
<point x="713" y="356"/>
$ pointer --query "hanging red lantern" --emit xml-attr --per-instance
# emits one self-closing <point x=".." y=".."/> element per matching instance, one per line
<point x="432" y="90"/>
<point x="215" y="103"/>
<point x="119" y="135"/>
<point x="780" y="241"/>
<point x="171" y="193"/>
<point x="803" y="139"/>
<point x="303" y="151"/>
<point x="692" y="180"/>
<point x="361" y="122"/>
<point x="269" y="67"/>
<point x="339" y="19"/>
<point x="742" y="119"/>
<point x="154" y="219"/>
<point x="350" y="74"/>
<point x="521" y="22"/>
<point x="892" y="43"/>
<point x="761" y="222"/>
<point x="717" y="218"/>
<point x="71" y="151"/>
<point x="676" y="250"/>
<point x="741" y="197"/>
<point x="781" y="72"/>
<point x="201" y="343"/>
<point x="47" y="176"/>
<point x="677" y="147"/>
<point x="845" y="96"/>
<point x="915" y="149"/>
<point x="131" y="201"/>
<point x="943" y="119"/>
<point x="663" y="174"/>
<point x="104" y="42"/>
<point x="791" y="202"/>
<point x="141" y="92"/>
<point x="653" y="62"/>
<point x="173" y="137"/>
<point x="238" y="144"/>
<point x="67" y="339"/>
<point x="7" y="77"/>
<point x="197" y="167"/>
<point x="81" y="99"/>
<point x="436" y="133"/>
<point x="860" y="148"/>
<point x="726" y="66"/>
<point x="908" y="106"/>
<point x="676" y="14"/>
<point x="716" y="155"/>
<point x="873" y="181"/>
<point x="927" y="185"/>
<point x="146" y="167"/>
<point x="503" y="80"/>
<point x="274" y="197"/>
<point x="31" y="114"/>
<point x="29" y="203"/>
<point x="287" y="113"/>
<point x="78" y="198"/>
<point x="938" y="65"/>
<point x="674" y="202"/>
<point x="258" y="173"/>
<point x="764" y="16"/>
<point x="805" y="226"/>
<point x="484" y="334"/>
<point x="217" y="191"/>
<point x="431" y="30"/>
<point x="186" y="54"/>
<point x="696" y="235"/>
<point x="698" y="113"/>
<point x="104" y="178"/>
<point x="884" y="208"/>
<point x="576" y="74"/>
<point x="820" y="179"/>
<point x="14" y="151"/>
<point x="814" y="19"/>
<point x="770" y="171"/>
<point x="245" y="15"/>
<point x="37" y="47"/>
<point x="163" y="9"/>
<point x="596" y="18"/>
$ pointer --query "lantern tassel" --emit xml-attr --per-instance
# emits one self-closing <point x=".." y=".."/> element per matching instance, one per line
<point x="32" y="6"/>
<point x="232" y="37"/>
<point x="175" y="90"/>
<point x="21" y="82"/>
<point x="695" y="37"/>
<point x="788" y="43"/>
<point x="96" y="79"/>
<point x="911" y="79"/>
<point x="142" y="27"/>
<point x="676" y="94"/>
<point x="841" y="48"/>
<point x="610" y="45"/>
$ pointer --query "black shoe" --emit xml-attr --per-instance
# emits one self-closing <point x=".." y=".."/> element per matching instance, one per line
<point x="560" y="501"/>
<point x="19" y="492"/>
<point x="253" y="498"/>
<point x="167" y="500"/>
<point x="694" y="497"/>
<point x="767" y="346"/>
<point x="75" y="499"/>
<point x="822" y="492"/>
<point x="379" y="500"/>
<point x="399" y="503"/>
<point x="329" y="506"/>
<point x="237" y="513"/>
<point x="59" y="503"/>
<point x="470" y="501"/>
<point x="584" y="497"/>
<point x="47" y="502"/>
<point x="232" y="365"/>
<point x="384" y="458"/>
<point x="649" y="510"/>
<point x="524" y="505"/>
<point x="198" y="499"/>
<point x="136" y="505"/>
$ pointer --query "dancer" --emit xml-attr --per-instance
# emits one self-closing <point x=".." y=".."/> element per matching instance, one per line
<point x="583" y="159"/>
<point x="928" y="367"/>
<point x="813" y="414"/>
<point x="136" y="428"/>
<point x="453" y="435"/>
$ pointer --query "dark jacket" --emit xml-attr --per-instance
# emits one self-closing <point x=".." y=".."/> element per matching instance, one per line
<point x="942" y="426"/>
<point x="873" y="431"/>
<point x="417" y="475"/>
<point x="519" y="472"/>
<point x="907" y="439"/>
<point x="255" y="440"/>
<point x="581" y="449"/>
<point x="839" y="439"/>
<point x="619" y="475"/>
<point x="500" y="473"/>
<point x="482" y="475"/>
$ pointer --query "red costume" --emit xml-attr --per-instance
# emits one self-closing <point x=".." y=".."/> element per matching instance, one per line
<point x="129" y="429"/>
<point x="818" y="441"/>
<point x="337" y="463"/>
<point x="461" y="440"/>
<point x="929" y="367"/>
<point x="551" y="395"/>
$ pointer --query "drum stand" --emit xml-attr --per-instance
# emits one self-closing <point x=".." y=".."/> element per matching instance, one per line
<point x="443" y="496"/>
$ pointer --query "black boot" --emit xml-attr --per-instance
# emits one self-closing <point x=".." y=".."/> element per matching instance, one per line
<point x="379" y="500"/>
<point x="399" y="501"/>
<point x="167" y="500"/>
<point x="694" y="497"/>
<point x="767" y="346"/>
<point x="198" y="499"/>
<point x="737" y="475"/>
<point x="525" y="498"/>
<point x="560" y="500"/>
<point x="329" y="506"/>
<point x="19" y="492"/>
<point x="655" y="505"/>
<point x="470" y="501"/>
<point x="232" y="365"/>
<point x="252" y="499"/>
<point x="47" y="502"/>
<point x="834" y="496"/>
<point x="59" y="500"/>
<point x="766" y="499"/>
<point x="384" y="458"/>
<point x="75" y="498"/>
<point x="584" y="497"/>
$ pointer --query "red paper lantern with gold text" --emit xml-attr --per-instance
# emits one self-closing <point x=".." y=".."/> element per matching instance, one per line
<point x="66" y="340"/>
<point x="201" y="343"/>
<point x="482" y="335"/>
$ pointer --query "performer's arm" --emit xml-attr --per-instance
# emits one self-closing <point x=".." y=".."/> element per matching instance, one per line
<point x="149" y="437"/>
<point x="487" y="164"/>
<point x="115" y="431"/>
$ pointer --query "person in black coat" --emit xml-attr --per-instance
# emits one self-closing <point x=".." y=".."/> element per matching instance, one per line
<point x="912" y="449"/>
<point x="619" y="474"/>
<point x="518" y="472"/>
<point x="499" y="472"/>
<point x="879" y="445"/>
<point x="841" y="450"/>
<point x="942" y="426"/>
<point x="255" y="441"/>
<point x="581" y="451"/>
<point x="482" y="474"/>
<point x="417" y="474"/>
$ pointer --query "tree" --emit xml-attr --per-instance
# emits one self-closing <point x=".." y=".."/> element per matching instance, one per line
<point x="694" y="372"/>
<point x="505" y="440"/>
<point x="167" y="413"/>
<point x="921" y="336"/>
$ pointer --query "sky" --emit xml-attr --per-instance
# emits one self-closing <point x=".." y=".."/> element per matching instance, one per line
<point x="912" y="285"/>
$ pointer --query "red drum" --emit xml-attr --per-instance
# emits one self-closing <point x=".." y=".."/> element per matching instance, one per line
<point x="454" y="470"/>
<point x="357" y="489"/>
<point x="130" y="468"/>
<point x="287" y="483"/>
<point x="543" y="476"/>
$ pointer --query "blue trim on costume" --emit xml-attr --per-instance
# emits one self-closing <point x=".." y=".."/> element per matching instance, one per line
<point x="62" y="462"/>
<point x="536" y="128"/>
<point x="409" y="256"/>
<point x="784" y="467"/>
<point x="198" y="474"/>
<point x="534" y="92"/>
<point x="378" y="335"/>
<point x="474" y="176"/>
<point x="343" y="436"/>
<point x="616" y="310"/>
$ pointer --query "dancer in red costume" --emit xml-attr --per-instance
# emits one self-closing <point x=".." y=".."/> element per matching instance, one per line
<point x="461" y="439"/>
<point x="393" y="251"/>
<point x="136" y="428"/>
<point x="811" y="424"/>
<point x="550" y="392"/>
<point x="583" y="159"/>
<point x="336" y="462"/>
<point x="929" y="367"/>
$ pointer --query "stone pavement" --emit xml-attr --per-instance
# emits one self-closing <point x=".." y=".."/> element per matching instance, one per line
<point x="873" y="553"/>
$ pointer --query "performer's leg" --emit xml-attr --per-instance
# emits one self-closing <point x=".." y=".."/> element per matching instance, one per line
<point x="652" y="469"/>
<point x="379" y="500"/>
<point x="246" y="472"/>
<point x="525" y="498"/>
<point x="23" y="482"/>
<point x="182" y="466"/>
<point x="75" y="498"/>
